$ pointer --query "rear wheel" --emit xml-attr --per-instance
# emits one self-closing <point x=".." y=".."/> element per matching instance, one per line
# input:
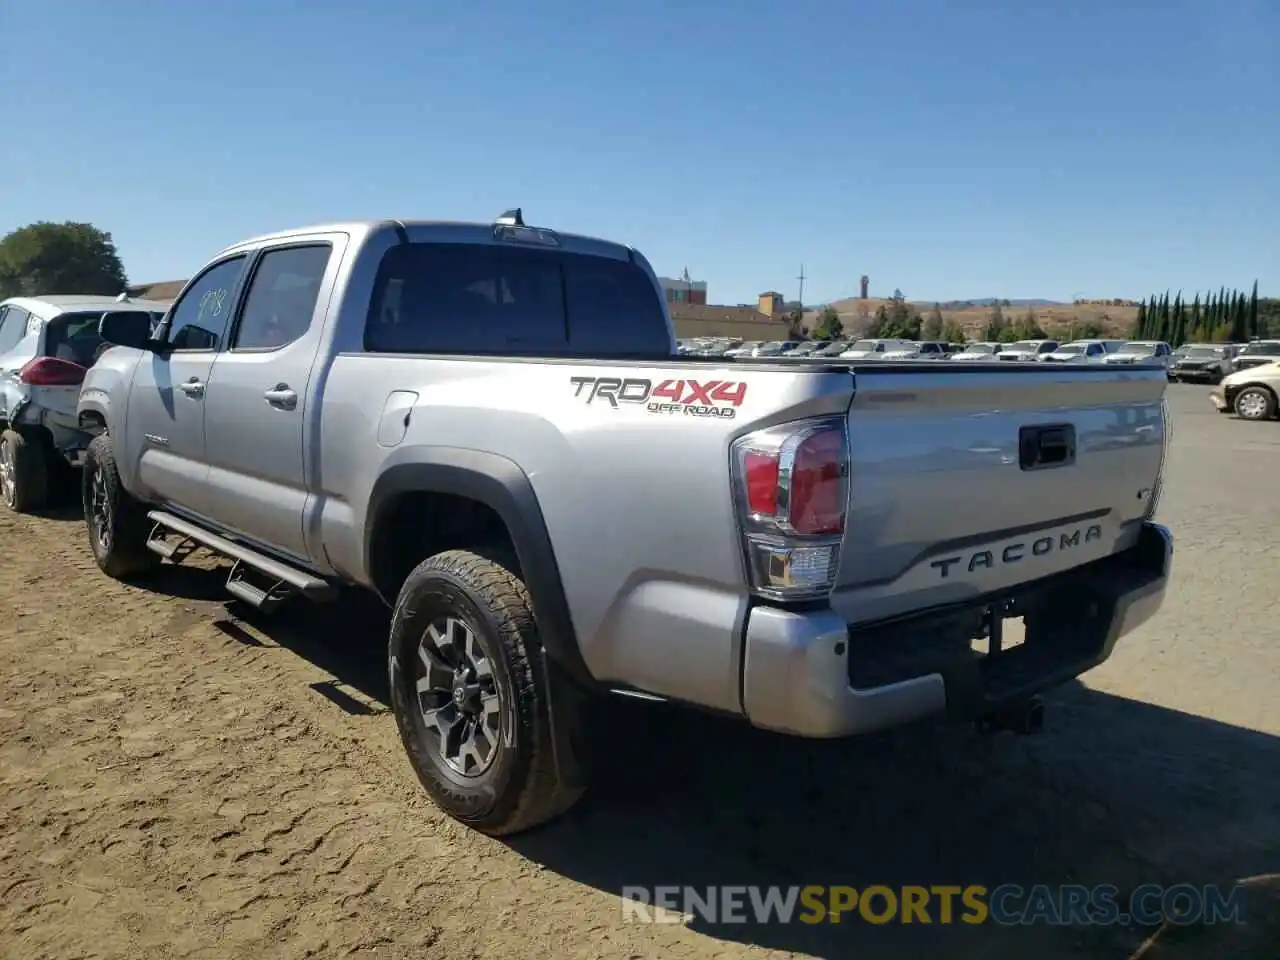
<point x="470" y="695"/>
<point x="24" y="472"/>
<point x="118" y="525"/>
<point x="1255" y="403"/>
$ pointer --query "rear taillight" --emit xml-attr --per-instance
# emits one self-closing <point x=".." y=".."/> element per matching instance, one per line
<point x="792" y="490"/>
<point x="52" y="372"/>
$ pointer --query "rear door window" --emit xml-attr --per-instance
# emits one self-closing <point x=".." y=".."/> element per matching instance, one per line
<point x="482" y="298"/>
<point x="13" y="327"/>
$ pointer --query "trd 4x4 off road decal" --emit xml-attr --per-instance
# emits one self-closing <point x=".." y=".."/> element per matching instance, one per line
<point x="694" y="398"/>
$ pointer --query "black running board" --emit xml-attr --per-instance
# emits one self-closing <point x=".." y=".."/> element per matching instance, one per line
<point x="282" y="580"/>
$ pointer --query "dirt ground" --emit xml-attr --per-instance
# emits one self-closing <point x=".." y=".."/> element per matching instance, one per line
<point x="182" y="778"/>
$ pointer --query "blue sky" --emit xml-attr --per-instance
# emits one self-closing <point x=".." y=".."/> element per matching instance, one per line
<point x="952" y="149"/>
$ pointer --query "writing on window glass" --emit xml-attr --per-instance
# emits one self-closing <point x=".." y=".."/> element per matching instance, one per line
<point x="211" y="304"/>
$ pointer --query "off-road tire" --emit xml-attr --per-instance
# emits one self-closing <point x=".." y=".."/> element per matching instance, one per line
<point x="520" y="788"/>
<point x="124" y="555"/>
<point x="28" y="486"/>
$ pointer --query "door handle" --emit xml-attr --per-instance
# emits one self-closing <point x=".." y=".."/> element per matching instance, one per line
<point x="192" y="388"/>
<point x="281" y="396"/>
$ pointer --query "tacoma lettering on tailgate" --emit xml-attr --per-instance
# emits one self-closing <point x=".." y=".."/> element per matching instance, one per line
<point x="1017" y="552"/>
<point x="694" y="398"/>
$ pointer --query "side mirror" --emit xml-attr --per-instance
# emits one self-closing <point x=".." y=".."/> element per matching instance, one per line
<point x="127" y="328"/>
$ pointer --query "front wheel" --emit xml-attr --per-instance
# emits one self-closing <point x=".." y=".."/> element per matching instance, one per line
<point x="118" y="525"/>
<point x="1255" y="403"/>
<point x="470" y="694"/>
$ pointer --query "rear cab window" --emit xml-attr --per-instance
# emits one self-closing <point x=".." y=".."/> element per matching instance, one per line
<point x="496" y="299"/>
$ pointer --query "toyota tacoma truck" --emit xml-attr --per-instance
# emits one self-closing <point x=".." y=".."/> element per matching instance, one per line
<point x="487" y="426"/>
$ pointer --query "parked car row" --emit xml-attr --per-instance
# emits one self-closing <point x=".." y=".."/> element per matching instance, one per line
<point x="1043" y="351"/>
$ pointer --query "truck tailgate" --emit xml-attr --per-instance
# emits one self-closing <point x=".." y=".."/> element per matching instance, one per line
<point x="966" y="481"/>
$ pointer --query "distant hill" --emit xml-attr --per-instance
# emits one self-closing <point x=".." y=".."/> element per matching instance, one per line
<point x="988" y="301"/>
<point x="1057" y="319"/>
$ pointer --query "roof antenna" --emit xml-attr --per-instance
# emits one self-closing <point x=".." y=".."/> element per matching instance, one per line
<point x="512" y="218"/>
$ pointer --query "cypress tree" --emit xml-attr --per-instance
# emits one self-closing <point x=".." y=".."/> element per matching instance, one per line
<point x="1162" y="330"/>
<point x="1223" y="318"/>
<point x="1253" y="312"/>
<point x="1179" y="330"/>
<point x="1238" y="331"/>
<point x="1140" y="323"/>
<point x="1193" y="332"/>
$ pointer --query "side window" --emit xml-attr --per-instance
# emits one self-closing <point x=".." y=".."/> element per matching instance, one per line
<point x="1095" y="349"/>
<point x="466" y="298"/>
<point x="879" y="348"/>
<point x="199" y="320"/>
<point x="282" y="297"/>
<point x="13" y="327"/>
<point x="613" y="308"/>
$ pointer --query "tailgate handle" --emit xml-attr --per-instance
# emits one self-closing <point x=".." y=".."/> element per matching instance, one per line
<point x="1046" y="446"/>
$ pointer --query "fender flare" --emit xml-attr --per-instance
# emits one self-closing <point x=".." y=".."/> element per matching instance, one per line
<point x="91" y="409"/>
<point x="502" y="486"/>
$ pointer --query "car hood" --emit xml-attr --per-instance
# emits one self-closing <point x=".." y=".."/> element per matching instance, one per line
<point x="1066" y="357"/>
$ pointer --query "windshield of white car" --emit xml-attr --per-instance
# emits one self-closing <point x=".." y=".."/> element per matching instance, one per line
<point x="1205" y="353"/>
<point x="1138" y="349"/>
<point x="864" y="345"/>
<point x="1024" y="345"/>
<point x="1263" y="349"/>
<point x="980" y="348"/>
<point x="1073" y="348"/>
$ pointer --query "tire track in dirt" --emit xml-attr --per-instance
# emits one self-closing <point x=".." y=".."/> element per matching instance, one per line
<point x="168" y="789"/>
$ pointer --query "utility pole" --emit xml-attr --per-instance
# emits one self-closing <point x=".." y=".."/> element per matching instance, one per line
<point x="801" y="279"/>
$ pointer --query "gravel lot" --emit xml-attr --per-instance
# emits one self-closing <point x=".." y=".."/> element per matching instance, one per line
<point x="182" y="778"/>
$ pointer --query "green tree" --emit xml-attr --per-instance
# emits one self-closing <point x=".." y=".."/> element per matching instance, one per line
<point x="49" y="258"/>
<point x="1089" y="330"/>
<point x="795" y="325"/>
<point x="828" y="325"/>
<point x="1139" y="329"/>
<point x="952" y="332"/>
<point x="997" y="325"/>
<point x="1252" y="317"/>
<point x="1239" y="321"/>
<point x="933" y="324"/>
<point x="1178" y="331"/>
<point x="1027" y="327"/>
<point x="879" y="324"/>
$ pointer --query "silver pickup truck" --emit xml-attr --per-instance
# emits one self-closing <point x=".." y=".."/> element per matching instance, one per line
<point x="487" y="425"/>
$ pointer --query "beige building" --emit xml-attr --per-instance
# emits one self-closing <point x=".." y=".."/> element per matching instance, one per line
<point x="772" y="303"/>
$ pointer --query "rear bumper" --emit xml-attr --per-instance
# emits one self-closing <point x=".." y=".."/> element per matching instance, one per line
<point x="810" y="674"/>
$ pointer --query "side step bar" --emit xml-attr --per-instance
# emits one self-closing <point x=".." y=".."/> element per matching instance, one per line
<point x="283" y="581"/>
